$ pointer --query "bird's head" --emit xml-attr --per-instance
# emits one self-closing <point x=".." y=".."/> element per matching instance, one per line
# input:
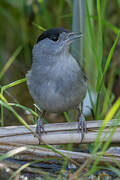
<point x="54" y="42"/>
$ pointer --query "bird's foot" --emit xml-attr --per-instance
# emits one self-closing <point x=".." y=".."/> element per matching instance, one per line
<point x="82" y="126"/>
<point x="40" y="128"/>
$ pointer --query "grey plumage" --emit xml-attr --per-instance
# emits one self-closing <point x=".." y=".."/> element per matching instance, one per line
<point x="56" y="81"/>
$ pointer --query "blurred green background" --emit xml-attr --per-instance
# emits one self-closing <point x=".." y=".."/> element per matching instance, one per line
<point x="21" y="22"/>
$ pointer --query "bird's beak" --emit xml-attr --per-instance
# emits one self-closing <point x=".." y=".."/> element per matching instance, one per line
<point x="72" y="36"/>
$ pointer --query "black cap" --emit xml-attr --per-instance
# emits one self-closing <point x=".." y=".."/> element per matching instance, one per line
<point x="51" y="34"/>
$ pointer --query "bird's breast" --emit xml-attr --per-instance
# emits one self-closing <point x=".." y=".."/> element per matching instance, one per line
<point x="61" y="88"/>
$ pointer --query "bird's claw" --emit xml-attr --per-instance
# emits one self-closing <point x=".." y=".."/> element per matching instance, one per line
<point x="82" y="126"/>
<point x="40" y="128"/>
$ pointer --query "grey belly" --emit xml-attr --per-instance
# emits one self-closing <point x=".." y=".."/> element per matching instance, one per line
<point x="52" y="98"/>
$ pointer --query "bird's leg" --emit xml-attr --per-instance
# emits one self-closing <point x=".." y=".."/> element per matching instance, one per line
<point x="81" y="122"/>
<point x="40" y="126"/>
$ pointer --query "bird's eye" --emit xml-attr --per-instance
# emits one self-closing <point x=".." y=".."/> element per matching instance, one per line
<point x="54" y="38"/>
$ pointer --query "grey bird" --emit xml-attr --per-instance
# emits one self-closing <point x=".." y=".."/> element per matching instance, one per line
<point x="56" y="81"/>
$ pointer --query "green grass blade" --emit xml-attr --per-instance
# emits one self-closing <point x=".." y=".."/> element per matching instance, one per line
<point x="13" y="152"/>
<point x="104" y="148"/>
<point x="100" y="34"/>
<point x="3" y="88"/>
<point x="66" y="116"/>
<point x="10" y="61"/>
<point x="24" y="108"/>
<point x="46" y="175"/>
<point x="91" y="34"/>
<point x="109" y="59"/>
<point x="112" y="111"/>
<point x="39" y="27"/>
<point x="13" y="84"/>
<point x="108" y="117"/>
<point x="6" y="104"/>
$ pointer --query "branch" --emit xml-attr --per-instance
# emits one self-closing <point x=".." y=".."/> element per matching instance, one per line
<point x="60" y="133"/>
